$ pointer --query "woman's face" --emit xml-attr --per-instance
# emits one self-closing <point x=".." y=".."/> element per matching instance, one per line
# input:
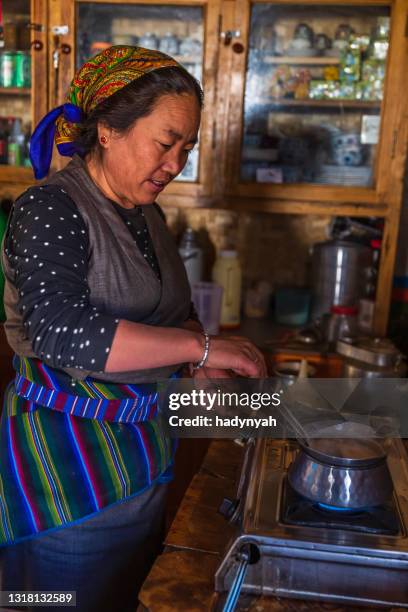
<point x="136" y="166"/>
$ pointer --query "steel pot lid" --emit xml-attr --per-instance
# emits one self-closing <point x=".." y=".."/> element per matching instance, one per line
<point x="375" y="351"/>
<point x="353" y="452"/>
<point x="330" y="245"/>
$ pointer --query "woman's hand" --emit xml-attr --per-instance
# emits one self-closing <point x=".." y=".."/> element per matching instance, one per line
<point x="237" y="354"/>
<point x="137" y="346"/>
<point x="247" y="359"/>
<point x="210" y="373"/>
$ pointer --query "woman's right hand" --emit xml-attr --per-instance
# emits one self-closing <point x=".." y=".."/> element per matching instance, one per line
<point x="237" y="354"/>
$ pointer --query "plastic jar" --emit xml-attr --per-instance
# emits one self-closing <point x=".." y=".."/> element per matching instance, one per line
<point x="227" y="273"/>
<point x="342" y="323"/>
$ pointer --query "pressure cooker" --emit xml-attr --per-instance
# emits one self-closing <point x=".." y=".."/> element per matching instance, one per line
<point x="371" y="358"/>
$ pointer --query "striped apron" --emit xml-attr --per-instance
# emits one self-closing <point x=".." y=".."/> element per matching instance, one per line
<point x="69" y="448"/>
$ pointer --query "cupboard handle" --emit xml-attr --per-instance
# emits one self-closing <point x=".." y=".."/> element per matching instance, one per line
<point x="394" y="143"/>
<point x="214" y="134"/>
<point x="37" y="45"/>
<point x="238" y="47"/>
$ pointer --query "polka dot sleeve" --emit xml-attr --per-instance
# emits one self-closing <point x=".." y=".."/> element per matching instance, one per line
<point x="47" y="246"/>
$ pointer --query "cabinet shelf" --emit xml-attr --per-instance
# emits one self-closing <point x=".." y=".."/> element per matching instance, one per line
<point x="15" y="91"/>
<point x="305" y="61"/>
<point x="14" y="174"/>
<point x="230" y="77"/>
<point x="318" y="103"/>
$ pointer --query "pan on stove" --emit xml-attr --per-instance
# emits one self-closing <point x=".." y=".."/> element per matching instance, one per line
<point x="348" y="472"/>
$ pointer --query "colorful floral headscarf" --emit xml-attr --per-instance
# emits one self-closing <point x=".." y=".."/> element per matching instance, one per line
<point x="100" y="77"/>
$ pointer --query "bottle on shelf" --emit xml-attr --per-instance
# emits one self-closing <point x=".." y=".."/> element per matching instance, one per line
<point x="376" y="251"/>
<point x="192" y="256"/>
<point x="6" y="68"/>
<point x="26" y="151"/>
<point x="341" y="324"/>
<point x="15" y="143"/>
<point x="3" y="142"/>
<point x="3" y="227"/>
<point x="227" y="273"/>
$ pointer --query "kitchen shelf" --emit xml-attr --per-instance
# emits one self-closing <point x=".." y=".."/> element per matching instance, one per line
<point x="228" y="76"/>
<point x="354" y="201"/>
<point x="15" y="91"/>
<point x="318" y="103"/>
<point x="305" y="61"/>
<point x="16" y="174"/>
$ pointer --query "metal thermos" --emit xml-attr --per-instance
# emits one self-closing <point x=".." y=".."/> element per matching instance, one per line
<point x="339" y="274"/>
<point x="192" y="256"/>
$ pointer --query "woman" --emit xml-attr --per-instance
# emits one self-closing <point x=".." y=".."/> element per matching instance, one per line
<point x="98" y="309"/>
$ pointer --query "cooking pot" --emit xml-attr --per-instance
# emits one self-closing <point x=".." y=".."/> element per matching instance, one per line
<point x="290" y="369"/>
<point x="342" y="472"/>
<point x="371" y="358"/>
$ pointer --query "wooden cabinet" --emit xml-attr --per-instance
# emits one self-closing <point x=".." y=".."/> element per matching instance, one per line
<point x="28" y="22"/>
<point x="337" y="149"/>
<point x="311" y="106"/>
<point x="272" y="111"/>
<point x="185" y="30"/>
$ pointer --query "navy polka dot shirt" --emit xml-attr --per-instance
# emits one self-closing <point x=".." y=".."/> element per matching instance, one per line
<point x="47" y="247"/>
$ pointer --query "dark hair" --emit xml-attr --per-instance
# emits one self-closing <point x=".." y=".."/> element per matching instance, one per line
<point x="136" y="100"/>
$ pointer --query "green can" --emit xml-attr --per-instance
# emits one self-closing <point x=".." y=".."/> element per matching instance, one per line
<point x="22" y="72"/>
<point x="7" y="69"/>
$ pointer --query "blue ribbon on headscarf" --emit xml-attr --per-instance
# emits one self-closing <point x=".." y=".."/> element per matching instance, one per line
<point x="42" y="139"/>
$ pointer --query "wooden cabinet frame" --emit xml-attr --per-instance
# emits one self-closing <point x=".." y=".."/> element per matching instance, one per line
<point x="221" y="131"/>
<point x="181" y="193"/>
<point x="384" y="200"/>
<point x="11" y="178"/>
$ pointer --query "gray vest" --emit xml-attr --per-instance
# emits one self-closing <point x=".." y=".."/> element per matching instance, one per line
<point x="121" y="282"/>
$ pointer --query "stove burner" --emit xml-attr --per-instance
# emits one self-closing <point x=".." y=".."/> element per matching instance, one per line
<point x="338" y="508"/>
<point x="317" y="553"/>
<point x="297" y="510"/>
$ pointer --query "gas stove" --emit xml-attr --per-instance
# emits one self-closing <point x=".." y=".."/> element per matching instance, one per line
<point x="288" y="546"/>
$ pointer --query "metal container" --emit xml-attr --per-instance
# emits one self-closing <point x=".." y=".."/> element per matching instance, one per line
<point x="289" y="370"/>
<point x="342" y="473"/>
<point x="7" y="67"/>
<point x="339" y="273"/>
<point x="341" y="324"/>
<point x="22" y="76"/>
<point x="371" y="358"/>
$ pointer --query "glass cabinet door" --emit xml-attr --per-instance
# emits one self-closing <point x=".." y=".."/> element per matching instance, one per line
<point x="15" y="84"/>
<point x="175" y="30"/>
<point x="313" y="92"/>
